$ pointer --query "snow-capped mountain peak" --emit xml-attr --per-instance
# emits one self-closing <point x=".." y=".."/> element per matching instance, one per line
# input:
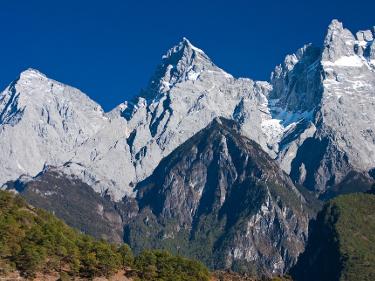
<point x="344" y="49"/>
<point x="338" y="42"/>
<point x="32" y="73"/>
<point x="343" y="128"/>
<point x="183" y="45"/>
<point x="41" y="122"/>
<point x="183" y="49"/>
<point x="183" y="62"/>
<point x="318" y="96"/>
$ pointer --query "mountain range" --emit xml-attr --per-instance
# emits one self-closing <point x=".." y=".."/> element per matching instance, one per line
<point x="228" y="170"/>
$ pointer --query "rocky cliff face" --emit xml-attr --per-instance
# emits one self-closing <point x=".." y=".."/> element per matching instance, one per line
<point x="43" y="121"/>
<point x="220" y="198"/>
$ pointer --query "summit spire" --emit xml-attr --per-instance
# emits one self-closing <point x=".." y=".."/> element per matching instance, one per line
<point x="338" y="42"/>
<point x="182" y="62"/>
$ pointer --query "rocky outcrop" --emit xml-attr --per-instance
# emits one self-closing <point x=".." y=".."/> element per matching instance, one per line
<point x="297" y="83"/>
<point x="220" y="198"/>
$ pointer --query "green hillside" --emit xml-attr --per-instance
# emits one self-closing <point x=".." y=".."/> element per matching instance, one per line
<point x="342" y="242"/>
<point x="32" y="240"/>
<point x="356" y="233"/>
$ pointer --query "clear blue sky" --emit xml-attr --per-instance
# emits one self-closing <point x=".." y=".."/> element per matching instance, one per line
<point x="109" y="49"/>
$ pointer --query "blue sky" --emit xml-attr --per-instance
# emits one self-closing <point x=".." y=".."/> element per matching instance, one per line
<point x="109" y="49"/>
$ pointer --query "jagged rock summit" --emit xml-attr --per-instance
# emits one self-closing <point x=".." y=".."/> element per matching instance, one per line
<point x="181" y="63"/>
<point x="341" y="137"/>
<point x="186" y="92"/>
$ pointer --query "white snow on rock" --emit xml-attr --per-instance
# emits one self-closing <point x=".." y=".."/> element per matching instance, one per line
<point x="348" y="61"/>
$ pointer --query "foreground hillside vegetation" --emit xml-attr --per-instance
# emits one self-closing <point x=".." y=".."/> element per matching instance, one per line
<point x="342" y="242"/>
<point x="32" y="241"/>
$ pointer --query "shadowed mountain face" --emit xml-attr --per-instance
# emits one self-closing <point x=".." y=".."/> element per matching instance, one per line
<point x="220" y="198"/>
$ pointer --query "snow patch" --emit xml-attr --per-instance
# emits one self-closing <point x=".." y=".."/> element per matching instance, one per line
<point x="347" y="61"/>
<point x="272" y="128"/>
<point x="289" y="117"/>
<point x="193" y="75"/>
<point x="362" y="43"/>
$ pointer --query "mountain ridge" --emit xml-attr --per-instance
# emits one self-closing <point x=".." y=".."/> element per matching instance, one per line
<point x="296" y="109"/>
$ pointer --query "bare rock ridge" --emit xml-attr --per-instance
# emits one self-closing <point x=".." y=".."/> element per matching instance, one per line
<point x="319" y="99"/>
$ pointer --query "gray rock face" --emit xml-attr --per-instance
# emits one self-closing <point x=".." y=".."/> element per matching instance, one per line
<point x="339" y="42"/>
<point x="220" y="198"/>
<point x="43" y="121"/>
<point x="372" y="51"/>
<point x="296" y="83"/>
